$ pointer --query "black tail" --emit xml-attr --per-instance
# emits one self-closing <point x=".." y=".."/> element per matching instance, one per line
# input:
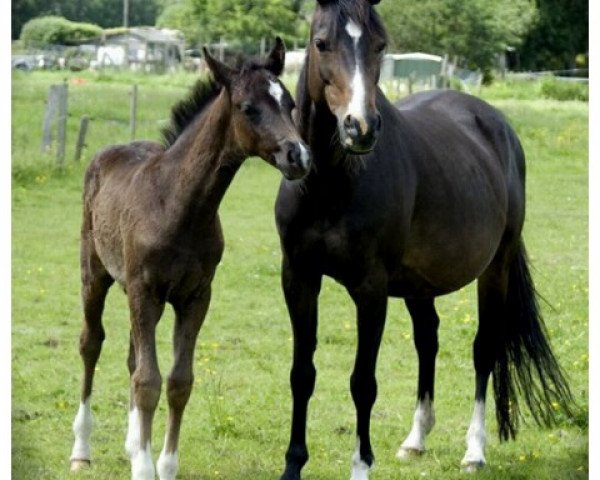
<point x="527" y="366"/>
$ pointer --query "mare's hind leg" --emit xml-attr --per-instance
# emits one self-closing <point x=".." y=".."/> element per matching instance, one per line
<point x="95" y="285"/>
<point x="491" y="293"/>
<point x="189" y="319"/>
<point x="425" y="325"/>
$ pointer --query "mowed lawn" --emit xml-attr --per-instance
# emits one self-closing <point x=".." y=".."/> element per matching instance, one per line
<point x="237" y="422"/>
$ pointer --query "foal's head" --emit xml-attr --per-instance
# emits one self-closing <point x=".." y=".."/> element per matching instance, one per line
<point x="347" y="44"/>
<point x="261" y="112"/>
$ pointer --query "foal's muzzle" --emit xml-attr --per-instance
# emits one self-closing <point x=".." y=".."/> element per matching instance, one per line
<point x="293" y="159"/>
<point x="360" y="135"/>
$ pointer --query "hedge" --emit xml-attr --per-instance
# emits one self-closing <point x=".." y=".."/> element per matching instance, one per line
<point x="57" y="30"/>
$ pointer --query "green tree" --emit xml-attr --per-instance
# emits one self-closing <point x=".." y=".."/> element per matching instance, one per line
<point x="559" y="35"/>
<point x="473" y="30"/>
<point x="242" y="21"/>
<point x="106" y="13"/>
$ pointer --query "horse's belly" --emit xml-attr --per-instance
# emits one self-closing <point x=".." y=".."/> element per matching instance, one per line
<point x="439" y="268"/>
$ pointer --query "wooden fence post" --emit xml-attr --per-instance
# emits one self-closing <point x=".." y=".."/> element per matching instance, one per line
<point x="50" y="113"/>
<point x="62" y="124"/>
<point x="411" y="81"/>
<point x="81" y="137"/>
<point x="133" y="111"/>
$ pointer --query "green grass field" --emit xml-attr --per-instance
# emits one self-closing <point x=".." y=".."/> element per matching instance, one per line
<point x="237" y="422"/>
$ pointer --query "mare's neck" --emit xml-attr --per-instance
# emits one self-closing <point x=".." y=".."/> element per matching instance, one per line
<point x="207" y="158"/>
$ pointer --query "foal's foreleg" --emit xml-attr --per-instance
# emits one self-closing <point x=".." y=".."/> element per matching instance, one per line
<point x="95" y="286"/>
<point x="132" y="441"/>
<point x="145" y="310"/>
<point x="371" y="306"/>
<point x="425" y="325"/>
<point x="301" y="293"/>
<point x="189" y="319"/>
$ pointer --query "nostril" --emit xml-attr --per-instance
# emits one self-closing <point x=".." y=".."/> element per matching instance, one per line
<point x="294" y="154"/>
<point x="290" y="156"/>
<point x="378" y="122"/>
<point x="348" y="121"/>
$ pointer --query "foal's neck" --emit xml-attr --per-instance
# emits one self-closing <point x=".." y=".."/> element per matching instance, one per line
<point x="207" y="158"/>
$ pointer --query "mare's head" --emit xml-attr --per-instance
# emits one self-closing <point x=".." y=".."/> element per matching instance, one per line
<point x="262" y="111"/>
<point x="348" y="41"/>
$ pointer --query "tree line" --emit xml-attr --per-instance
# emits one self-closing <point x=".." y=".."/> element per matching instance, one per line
<point x="548" y="34"/>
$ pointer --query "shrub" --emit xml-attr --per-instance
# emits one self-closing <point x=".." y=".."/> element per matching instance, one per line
<point x="57" y="30"/>
<point x="564" y="90"/>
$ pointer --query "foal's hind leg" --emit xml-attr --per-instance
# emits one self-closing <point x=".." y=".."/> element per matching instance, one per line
<point x="491" y="292"/>
<point x="95" y="285"/>
<point x="425" y="325"/>
<point x="189" y="319"/>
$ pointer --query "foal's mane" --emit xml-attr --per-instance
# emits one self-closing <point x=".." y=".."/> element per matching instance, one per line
<point x="185" y="111"/>
<point x="201" y="95"/>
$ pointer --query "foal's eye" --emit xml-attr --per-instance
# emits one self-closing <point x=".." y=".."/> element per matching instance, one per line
<point x="249" y="110"/>
<point x="321" y="45"/>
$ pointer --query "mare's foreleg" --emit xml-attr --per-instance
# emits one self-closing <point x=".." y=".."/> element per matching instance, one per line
<point x="189" y="319"/>
<point x="95" y="285"/>
<point x="425" y="326"/>
<point x="301" y="294"/>
<point x="371" y="305"/>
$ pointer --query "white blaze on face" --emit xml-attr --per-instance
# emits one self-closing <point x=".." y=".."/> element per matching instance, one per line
<point x="276" y="91"/>
<point x="356" y="107"/>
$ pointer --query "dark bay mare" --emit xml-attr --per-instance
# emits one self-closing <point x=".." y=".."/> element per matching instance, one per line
<point x="414" y="201"/>
<point x="150" y="223"/>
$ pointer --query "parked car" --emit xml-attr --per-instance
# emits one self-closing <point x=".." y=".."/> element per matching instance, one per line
<point x="23" y="63"/>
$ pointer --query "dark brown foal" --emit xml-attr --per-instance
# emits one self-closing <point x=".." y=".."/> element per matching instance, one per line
<point x="150" y="223"/>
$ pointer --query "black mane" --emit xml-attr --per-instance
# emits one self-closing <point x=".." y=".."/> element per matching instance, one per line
<point x="202" y="93"/>
<point x="185" y="111"/>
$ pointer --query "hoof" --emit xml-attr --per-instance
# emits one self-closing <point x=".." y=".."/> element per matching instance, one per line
<point x="409" y="453"/>
<point x="77" y="465"/>
<point x="472" y="467"/>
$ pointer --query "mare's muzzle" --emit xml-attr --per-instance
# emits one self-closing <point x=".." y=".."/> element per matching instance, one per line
<point x="359" y="135"/>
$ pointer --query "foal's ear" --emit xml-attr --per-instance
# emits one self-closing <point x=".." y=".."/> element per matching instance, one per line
<point x="276" y="59"/>
<point x="221" y="72"/>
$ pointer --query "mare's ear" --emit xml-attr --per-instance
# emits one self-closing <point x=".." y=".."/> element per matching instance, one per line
<point x="221" y="72"/>
<point x="276" y="59"/>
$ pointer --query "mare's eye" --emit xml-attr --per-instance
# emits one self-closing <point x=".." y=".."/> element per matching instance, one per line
<point x="380" y="48"/>
<point x="250" y="110"/>
<point x="321" y="45"/>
